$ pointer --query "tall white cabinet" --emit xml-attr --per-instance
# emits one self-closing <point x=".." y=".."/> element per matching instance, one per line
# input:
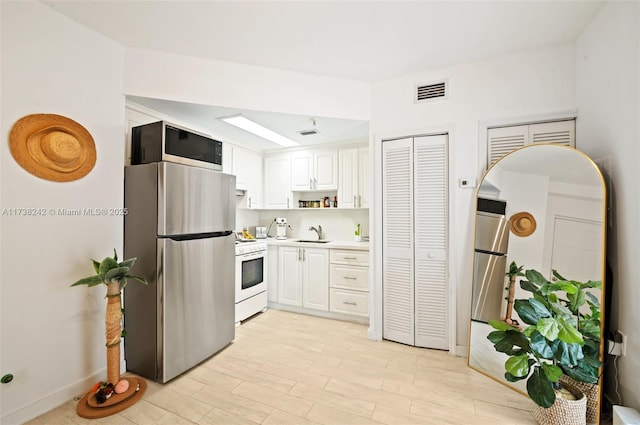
<point x="414" y="241"/>
<point x="353" y="178"/>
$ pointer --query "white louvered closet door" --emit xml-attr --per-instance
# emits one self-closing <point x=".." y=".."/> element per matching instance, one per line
<point x="502" y="140"/>
<point x="414" y="241"/>
<point x="397" y="241"/>
<point x="430" y="241"/>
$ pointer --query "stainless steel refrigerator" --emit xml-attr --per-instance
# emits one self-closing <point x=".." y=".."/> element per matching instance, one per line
<point x="179" y="224"/>
<point x="490" y="262"/>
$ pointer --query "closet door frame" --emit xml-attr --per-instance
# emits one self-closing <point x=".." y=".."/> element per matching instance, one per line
<point x="375" y="219"/>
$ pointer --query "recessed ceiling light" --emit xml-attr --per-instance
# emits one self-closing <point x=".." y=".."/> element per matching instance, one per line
<point x="255" y="128"/>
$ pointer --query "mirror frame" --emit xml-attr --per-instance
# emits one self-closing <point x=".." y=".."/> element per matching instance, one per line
<point x="603" y="290"/>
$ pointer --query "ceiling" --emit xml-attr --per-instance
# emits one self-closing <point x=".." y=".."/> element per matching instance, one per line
<point x="360" y="40"/>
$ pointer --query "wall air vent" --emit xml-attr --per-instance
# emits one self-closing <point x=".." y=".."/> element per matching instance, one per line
<point x="431" y="91"/>
<point x="308" y="132"/>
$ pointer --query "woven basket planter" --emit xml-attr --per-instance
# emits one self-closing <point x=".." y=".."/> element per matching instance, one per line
<point x="589" y="390"/>
<point x="563" y="412"/>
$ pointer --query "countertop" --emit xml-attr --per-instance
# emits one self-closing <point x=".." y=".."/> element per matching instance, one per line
<point x="333" y="244"/>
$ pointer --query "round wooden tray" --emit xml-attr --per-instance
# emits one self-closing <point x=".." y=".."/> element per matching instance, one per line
<point x="116" y="403"/>
<point x="115" y="398"/>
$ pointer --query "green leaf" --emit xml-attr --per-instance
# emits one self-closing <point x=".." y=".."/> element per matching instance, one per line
<point x="115" y="255"/>
<point x="590" y="329"/>
<point x="510" y="342"/>
<point x="540" y="308"/>
<point x="552" y="371"/>
<point x="138" y="278"/>
<point x="96" y="266"/>
<point x="89" y="281"/>
<point x="566" y="354"/>
<point x="594" y="300"/>
<point x="567" y="333"/>
<point x="530" y="287"/>
<point x="549" y="328"/>
<point x="128" y="263"/>
<point x="116" y="273"/>
<point x="540" y="389"/>
<point x="563" y="285"/>
<point x="582" y="375"/>
<point x="518" y="365"/>
<point x="557" y="275"/>
<point x="106" y="265"/>
<point x="509" y="377"/>
<point x="541" y="346"/>
<point x="500" y="325"/>
<point x="592" y="284"/>
<point x="576" y="301"/>
<point x="536" y="277"/>
<point x="526" y="312"/>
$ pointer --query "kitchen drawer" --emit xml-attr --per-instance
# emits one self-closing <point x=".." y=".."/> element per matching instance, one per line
<point x="349" y="277"/>
<point x="350" y="302"/>
<point x="348" y="256"/>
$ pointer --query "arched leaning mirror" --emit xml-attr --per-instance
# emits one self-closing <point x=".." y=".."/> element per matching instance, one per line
<point x="542" y="207"/>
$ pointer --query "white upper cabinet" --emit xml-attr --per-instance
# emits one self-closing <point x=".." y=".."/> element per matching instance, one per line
<point x="353" y="175"/>
<point x="314" y="170"/>
<point x="502" y="140"/>
<point x="247" y="166"/>
<point x="277" y="181"/>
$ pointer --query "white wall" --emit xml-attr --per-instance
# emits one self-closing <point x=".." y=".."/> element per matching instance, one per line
<point x="209" y="82"/>
<point x="509" y="88"/>
<point x="53" y="335"/>
<point x="608" y="96"/>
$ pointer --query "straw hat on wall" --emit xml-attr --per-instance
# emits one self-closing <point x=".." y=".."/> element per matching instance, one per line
<point x="522" y="224"/>
<point x="52" y="147"/>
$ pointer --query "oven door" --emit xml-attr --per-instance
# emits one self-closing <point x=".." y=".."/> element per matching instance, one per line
<point x="250" y="275"/>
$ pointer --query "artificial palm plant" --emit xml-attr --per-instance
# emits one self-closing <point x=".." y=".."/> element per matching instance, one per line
<point x="114" y="275"/>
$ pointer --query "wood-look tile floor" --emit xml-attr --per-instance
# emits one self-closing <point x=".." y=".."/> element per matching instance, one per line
<point x="286" y="368"/>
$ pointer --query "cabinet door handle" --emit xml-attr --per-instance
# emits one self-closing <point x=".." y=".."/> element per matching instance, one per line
<point x="349" y="302"/>
<point x="359" y="201"/>
<point x="249" y="202"/>
<point x="310" y="183"/>
<point x="287" y="202"/>
<point x="349" y="278"/>
<point x="349" y="258"/>
<point x="299" y="254"/>
<point x="304" y="254"/>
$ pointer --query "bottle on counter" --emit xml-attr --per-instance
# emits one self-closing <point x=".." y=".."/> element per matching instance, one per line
<point x="335" y="202"/>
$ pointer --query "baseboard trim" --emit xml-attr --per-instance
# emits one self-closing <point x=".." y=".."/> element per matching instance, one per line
<point x="53" y="399"/>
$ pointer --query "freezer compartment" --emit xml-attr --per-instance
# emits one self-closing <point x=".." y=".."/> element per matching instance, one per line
<point x="488" y="287"/>
<point x="492" y="232"/>
<point x="194" y="200"/>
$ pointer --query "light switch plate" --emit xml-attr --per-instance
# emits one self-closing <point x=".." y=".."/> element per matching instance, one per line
<point x="467" y="182"/>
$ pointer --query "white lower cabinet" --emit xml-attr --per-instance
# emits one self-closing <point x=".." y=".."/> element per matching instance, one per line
<point x="303" y="278"/>
<point x="349" y="282"/>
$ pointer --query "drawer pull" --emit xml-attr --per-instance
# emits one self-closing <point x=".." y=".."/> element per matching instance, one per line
<point x="350" y="278"/>
<point x="350" y="302"/>
<point x="349" y="258"/>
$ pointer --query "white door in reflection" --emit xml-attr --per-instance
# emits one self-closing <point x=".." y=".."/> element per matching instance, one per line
<point x="576" y="249"/>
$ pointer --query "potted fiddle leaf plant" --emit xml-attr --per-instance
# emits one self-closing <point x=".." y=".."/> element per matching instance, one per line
<point x="585" y="308"/>
<point x="543" y="350"/>
<point x="114" y="275"/>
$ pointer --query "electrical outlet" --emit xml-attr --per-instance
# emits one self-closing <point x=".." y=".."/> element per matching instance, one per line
<point x="617" y="344"/>
<point x="623" y="344"/>
<point x="614" y="348"/>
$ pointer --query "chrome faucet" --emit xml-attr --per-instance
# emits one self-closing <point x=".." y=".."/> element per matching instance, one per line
<point x="318" y="231"/>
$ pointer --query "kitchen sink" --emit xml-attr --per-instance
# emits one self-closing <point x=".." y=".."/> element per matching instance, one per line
<point x="312" y="241"/>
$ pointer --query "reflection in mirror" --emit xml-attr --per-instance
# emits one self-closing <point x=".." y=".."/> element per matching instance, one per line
<point x="541" y="206"/>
